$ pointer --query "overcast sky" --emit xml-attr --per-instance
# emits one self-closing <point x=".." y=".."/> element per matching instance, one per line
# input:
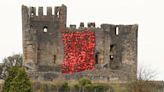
<point x="149" y="14"/>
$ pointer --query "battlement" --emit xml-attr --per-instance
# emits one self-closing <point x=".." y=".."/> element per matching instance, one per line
<point x="105" y="27"/>
<point x="38" y="11"/>
<point x="82" y="25"/>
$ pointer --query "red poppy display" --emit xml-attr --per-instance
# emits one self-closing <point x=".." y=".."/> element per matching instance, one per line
<point x="78" y="51"/>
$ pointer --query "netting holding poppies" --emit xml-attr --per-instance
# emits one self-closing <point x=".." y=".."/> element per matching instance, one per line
<point x="78" y="51"/>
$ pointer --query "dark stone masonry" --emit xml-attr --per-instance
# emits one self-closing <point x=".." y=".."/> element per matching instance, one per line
<point x="115" y="51"/>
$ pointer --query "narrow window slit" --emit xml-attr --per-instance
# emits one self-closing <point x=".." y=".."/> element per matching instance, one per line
<point x="117" y="31"/>
<point x="58" y="14"/>
<point x="96" y="58"/>
<point x="54" y="59"/>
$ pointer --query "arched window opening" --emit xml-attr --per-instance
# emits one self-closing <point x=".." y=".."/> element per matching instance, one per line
<point x="111" y="57"/>
<point x="45" y="29"/>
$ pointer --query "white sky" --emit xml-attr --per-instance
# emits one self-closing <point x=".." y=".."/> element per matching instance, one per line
<point x="149" y="14"/>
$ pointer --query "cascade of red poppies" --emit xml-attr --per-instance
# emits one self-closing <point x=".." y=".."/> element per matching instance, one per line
<point x="78" y="51"/>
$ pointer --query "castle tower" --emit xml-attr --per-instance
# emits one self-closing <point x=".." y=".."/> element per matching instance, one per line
<point x="42" y="43"/>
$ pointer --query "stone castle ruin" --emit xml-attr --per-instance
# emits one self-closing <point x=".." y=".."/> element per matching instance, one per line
<point x="51" y="49"/>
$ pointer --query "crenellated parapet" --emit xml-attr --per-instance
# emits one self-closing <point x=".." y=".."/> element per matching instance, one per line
<point x="113" y="29"/>
<point x="33" y="10"/>
<point x="59" y="14"/>
<point x="82" y="25"/>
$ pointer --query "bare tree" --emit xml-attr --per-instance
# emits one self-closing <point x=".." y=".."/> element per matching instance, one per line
<point x="146" y="74"/>
<point x="143" y="83"/>
<point x="10" y="61"/>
